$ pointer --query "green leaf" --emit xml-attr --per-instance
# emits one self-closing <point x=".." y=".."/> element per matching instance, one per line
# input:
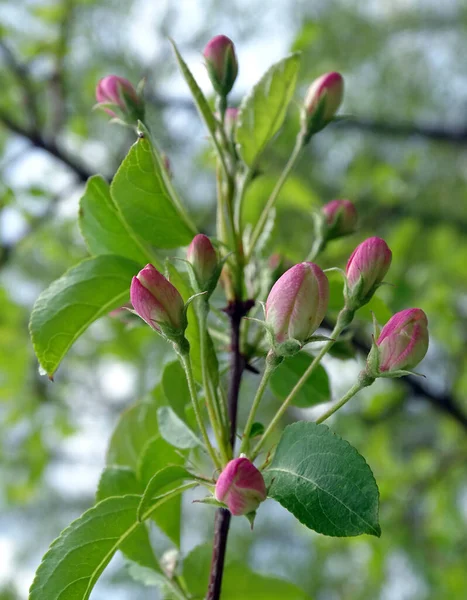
<point x="121" y="481"/>
<point x="158" y="484"/>
<point x="136" y="426"/>
<point x="175" y="387"/>
<point x="324" y="482"/>
<point x="103" y="227"/>
<point x="76" y="559"/>
<point x="70" y="304"/>
<point x="175" y="431"/>
<point x="156" y="455"/>
<point x="142" y="196"/>
<point x="201" y="103"/>
<point x="239" y="583"/>
<point x="314" y="391"/>
<point x="263" y="110"/>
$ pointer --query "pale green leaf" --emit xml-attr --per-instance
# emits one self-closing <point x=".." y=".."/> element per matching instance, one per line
<point x="175" y="431"/>
<point x="263" y="110"/>
<point x="142" y="196"/>
<point x="70" y="304"/>
<point x="103" y="227"/>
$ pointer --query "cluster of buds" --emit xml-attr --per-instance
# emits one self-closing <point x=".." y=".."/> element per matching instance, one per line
<point x="241" y="487"/>
<point x="401" y="345"/>
<point x="221" y="63"/>
<point x="323" y="98"/>
<point x="365" y="271"/>
<point x="119" y="99"/>
<point x="296" y="307"/>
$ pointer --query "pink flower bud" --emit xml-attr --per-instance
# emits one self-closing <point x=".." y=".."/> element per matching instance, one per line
<point x="221" y="63"/>
<point x="403" y="341"/>
<point x="157" y="301"/>
<point x="341" y="218"/>
<point x="297" y="302"/>
<point x="116" y="90"/>
<point x="366" y="269"/>
<point x="329" y="88"/>
<point x="241" y="486"/>
<point x="203" y="257"/>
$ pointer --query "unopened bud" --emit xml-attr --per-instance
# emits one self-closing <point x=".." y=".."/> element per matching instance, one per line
<point x="403" y="341"/>
<point x="221" y="63"/>
<point x="340" y="218"/>
<point x="158" y="302"/>
<point x="119" y="99"/>
<point x="323" y="98"/>
<point x="365" y="271"/>
<point x="202" y="255"/>
<point x="297" y="303"/>
<point x="241" y="487"/>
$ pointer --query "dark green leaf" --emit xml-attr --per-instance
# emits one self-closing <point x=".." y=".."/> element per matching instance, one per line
<point x="76" y="559"/>
<point x="324" y="482"/>
<point x="70" y="304"/>
<point x="103" y="227"/>
<point x="256" y="429"/>
<point x="141" y="194"/>
<point x="263" y="110"/>
<point x="314" y="391"/>
<point x="175" y="431"/>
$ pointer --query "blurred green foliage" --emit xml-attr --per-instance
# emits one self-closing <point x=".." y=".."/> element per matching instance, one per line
<point x="400" y="157"/>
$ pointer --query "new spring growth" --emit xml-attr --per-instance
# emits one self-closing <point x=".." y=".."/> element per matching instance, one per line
<point x="206" y="268"/>
<point x="221" y="63"/>
<point x="401" y="345"/>
<point x="340" y="218"/>
<point x="241" y="487"/>
<point x="366" y="269"/>
<point x="158" y="303"/>
<point x="296" y="306"/>
<point x="323" y="98"/>
<point x="119" y="99"/>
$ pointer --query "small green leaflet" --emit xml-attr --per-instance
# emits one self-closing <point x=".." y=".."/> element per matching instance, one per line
<point x="63" y="311"/>
<point x="263" y="110"/>
<point x="324" y="482"/>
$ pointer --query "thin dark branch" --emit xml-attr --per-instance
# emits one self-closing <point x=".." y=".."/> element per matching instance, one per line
<point x="236" y="311"/>
<point x="58" y="80"/>
<point x="50" y="146"/>
<point x="21" y="73"/>
<point x="438" y="133"/>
